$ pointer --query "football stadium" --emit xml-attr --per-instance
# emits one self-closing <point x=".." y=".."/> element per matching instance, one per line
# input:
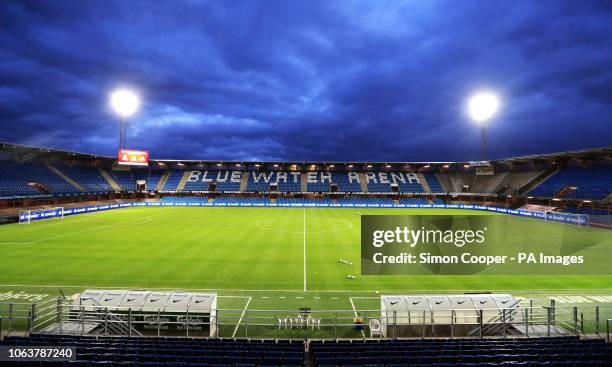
<point x="113" y="255"/>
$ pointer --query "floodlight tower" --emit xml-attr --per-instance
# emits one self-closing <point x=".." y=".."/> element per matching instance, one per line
<point x="125" y="103"/>
<point x="481" y="107"/>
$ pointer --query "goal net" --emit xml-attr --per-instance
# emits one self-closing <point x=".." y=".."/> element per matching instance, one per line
<point x="28" y="215"/>
<point x="570" y="218"/>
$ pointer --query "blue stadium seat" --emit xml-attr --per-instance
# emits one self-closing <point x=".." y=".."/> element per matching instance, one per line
<point x="124" y="179"/>
<point x="593" y="183"/>
<point x="173" y="180"/>
<point x="260" y="181"/>
<point x="125" y="351"/>
<point x="89" y="178"/>
<point x="345" y="184"/>
<point x="15" y="179"/>
<point x="433" y="182"/>
<point x="556" y="351"/>
<point x="150" y="176"/>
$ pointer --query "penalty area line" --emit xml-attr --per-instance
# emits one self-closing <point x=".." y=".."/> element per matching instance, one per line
<point x="242" y="316"/>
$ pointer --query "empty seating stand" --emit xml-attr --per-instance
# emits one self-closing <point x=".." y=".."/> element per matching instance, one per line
<point x="191" y="352"/>
<point x="124" y="179"/>
<point x="593" y="183"/>
<point x="433" y="182"/>
<point x="260" y="181"/>
<point x="153" y="352"/>
<point x="89" y="178"/>
<point x="14" y="180"/>
<point x="345" y="184"/>
<point x="552" y="352"/>
<point x="173" y="180"/>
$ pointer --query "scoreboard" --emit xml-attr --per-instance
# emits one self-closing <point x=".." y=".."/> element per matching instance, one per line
<point x="133" y="157"/>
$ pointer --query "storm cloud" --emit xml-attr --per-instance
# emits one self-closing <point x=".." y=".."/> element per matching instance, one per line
<point x="307" y="80"/>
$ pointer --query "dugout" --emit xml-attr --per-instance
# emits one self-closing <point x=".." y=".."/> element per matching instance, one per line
<point x="152" y="312"/>
<point x="446" y="315"/>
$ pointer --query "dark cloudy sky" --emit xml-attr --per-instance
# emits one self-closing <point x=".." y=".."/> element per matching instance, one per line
<point x="307" y="80"/>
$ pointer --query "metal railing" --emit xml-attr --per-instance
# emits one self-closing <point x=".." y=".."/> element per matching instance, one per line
<point x="55" y="315"/>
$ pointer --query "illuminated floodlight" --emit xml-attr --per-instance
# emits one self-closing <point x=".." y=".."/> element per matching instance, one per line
<point x="124" y="102"/>
<point x="482" y="106"/>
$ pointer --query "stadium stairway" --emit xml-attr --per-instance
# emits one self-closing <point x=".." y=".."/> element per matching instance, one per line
<point x="454" y="187"/>
<point x="362" y="181"/>
<point x="244" y="181"/>
<point x="539" y="179"/>
<point x="110" y="180"/>
<point x="487" y="183"/>
<point x="183" y="181"/>
<point x="445" y="181"/>
<point x="424" y="182"/>
<point x="65" y="177"/>
<point x="513" y="183"/>
<point x="162" y="181"/>
<point x="303" y="182"/>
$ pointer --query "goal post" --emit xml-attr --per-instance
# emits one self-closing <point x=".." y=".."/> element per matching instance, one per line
<point x="581" y="220"/>
<point x="26" y="216"/>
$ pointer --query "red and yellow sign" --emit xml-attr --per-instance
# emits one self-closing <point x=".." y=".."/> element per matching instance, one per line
<point x="133" y="157"/>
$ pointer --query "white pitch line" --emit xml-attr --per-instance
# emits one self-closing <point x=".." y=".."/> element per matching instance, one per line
<point x="355" y="311"/>
<point x="133" y="222"/>
<point x="357" y="297"/>
<point x="241" y="316"/>
<point x="304" y="250"/>
<point x="233" y="297"/>
<point x="271" y="290"/>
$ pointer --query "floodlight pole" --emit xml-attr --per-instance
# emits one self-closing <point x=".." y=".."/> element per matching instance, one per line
<point x="122" y="124"/>
<point x="483" y="141"/>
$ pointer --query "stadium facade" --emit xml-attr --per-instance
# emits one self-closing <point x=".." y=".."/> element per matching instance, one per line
<point x="574" y="182"/>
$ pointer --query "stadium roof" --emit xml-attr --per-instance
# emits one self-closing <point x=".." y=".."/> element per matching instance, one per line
<point x="25" y="150"/>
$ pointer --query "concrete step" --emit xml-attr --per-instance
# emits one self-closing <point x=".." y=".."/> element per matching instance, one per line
<point x="162" y="181"/>
<point x="424" y="182"/>
<point x="110" y="180"/>
<point x="65" y="177"/>
<point x="183" y="181"/>
<point x="304" y="182"/>
<point x="244" y="181"/>
<point x="362" y="181"/>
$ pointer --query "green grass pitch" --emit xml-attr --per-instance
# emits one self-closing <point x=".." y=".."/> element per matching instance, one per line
<point x="253" y="255"/>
